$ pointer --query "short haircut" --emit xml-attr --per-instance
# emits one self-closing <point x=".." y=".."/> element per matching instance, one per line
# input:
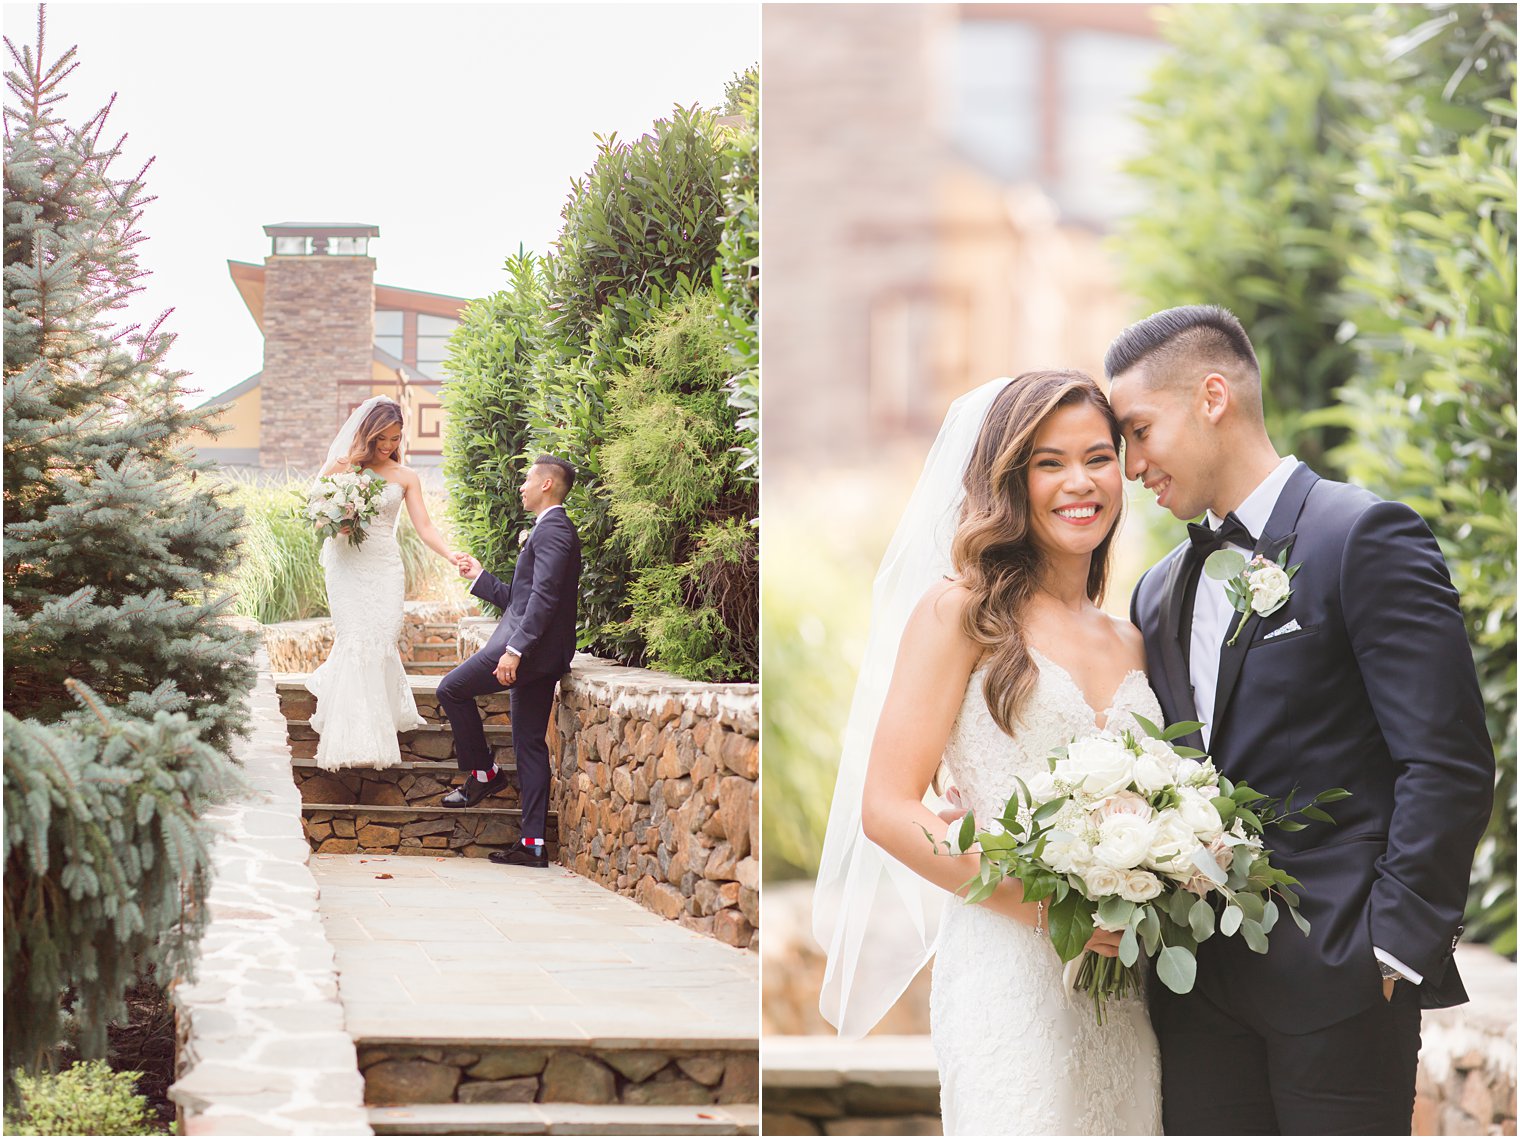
<point x="1195" y="334"/>
<point x="560" y="471"/>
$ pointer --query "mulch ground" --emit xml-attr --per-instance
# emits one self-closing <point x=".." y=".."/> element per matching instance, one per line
<point x="146" y="1044"/>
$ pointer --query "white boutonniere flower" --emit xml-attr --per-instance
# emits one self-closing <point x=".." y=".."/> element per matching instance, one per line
<point x="1257" y="585"/>
<point x="522" y="537"/>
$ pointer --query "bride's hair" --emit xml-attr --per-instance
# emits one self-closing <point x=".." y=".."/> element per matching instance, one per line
<point x="385" y="413"/>
<point x="993" y="553"/>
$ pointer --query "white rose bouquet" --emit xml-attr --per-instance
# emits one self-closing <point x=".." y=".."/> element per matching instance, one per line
<point x="345" y="500"/>
<point x="1144" y="836"/>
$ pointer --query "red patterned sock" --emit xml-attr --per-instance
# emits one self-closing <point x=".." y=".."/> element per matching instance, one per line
<point x="487" y="775"/>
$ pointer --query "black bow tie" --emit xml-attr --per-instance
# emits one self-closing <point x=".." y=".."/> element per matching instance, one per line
<point x="1231" y="532"/>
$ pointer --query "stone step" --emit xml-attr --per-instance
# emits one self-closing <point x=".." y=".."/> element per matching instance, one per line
<point x="646" y="1072"/>
<point x="296" y="703"/>
<point x="563" y="1119"/>
<point x="418" y="783"/>
<point x="433" y="742"/>
<point x="363" y="828"/>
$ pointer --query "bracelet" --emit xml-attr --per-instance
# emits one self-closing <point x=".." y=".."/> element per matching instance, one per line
<point x="1039" y="916"/>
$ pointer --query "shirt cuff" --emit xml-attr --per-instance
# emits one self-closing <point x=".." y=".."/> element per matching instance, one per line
<point x="515" y="652"/>
<point x="1389" y="959"/>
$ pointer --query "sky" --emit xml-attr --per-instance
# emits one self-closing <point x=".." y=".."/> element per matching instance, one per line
<point x="454" y="128"/>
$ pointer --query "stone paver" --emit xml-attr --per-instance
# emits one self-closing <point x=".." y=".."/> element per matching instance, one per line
<point x="446" y="949"/>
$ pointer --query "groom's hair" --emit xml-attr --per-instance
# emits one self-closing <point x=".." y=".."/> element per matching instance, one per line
<point x="560" y="471"/>
<point x="1182" y="340"/>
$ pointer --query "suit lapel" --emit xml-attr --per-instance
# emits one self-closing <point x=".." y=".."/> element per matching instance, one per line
<point x="1276" y="536"/>
<point x="1174" y="667"/>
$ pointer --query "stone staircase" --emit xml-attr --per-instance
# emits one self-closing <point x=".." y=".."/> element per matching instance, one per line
<point x="396" y="810"/>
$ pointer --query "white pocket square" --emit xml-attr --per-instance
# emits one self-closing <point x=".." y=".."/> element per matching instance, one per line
<point x="1290" y="627"/>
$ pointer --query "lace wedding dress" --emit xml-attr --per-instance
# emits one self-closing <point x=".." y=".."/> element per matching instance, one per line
<point x="363" y="698"/>
<point x="1017" y="1054"/>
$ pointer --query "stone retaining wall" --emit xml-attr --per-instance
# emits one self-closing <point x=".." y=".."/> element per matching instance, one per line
<point x="404" y="1074"/>
<point x="429" y="638"/>
<point x="657" y="789"/>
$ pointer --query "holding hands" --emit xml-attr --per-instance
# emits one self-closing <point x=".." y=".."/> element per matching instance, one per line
<point x="467" y="566"/>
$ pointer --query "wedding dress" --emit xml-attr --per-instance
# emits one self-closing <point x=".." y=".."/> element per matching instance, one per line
<point x="1017" y="1053"/>
<point x="363" y="698"/>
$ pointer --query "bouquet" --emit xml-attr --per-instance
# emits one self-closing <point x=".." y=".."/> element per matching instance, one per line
<point x="1144" y="836"/>
<point x="345" y="500"/>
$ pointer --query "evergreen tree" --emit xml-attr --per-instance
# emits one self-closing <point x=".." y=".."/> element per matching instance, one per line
<point x="124" y="683"/>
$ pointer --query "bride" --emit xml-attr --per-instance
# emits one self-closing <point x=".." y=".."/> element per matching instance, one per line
<point x="363" y="698"/>
<point x="986" y="602"/>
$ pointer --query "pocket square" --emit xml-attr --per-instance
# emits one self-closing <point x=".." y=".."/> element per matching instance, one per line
<point x="1290" y="627"/>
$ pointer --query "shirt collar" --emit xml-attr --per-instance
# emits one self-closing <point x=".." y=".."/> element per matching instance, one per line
<point x="555" y="506"/>
<point x="1256" y="511"/>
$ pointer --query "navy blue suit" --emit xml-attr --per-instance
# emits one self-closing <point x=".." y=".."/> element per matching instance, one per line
<point x="1374" y="692"/>
<point x="538" y="620"/>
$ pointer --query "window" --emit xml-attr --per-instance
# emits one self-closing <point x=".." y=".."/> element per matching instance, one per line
<point x="995" y="96"/>
<point x="433" y="334"/>
<point x="389" y="331"/>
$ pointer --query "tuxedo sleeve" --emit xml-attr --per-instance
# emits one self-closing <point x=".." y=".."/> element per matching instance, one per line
<point x="552" y="551"/>
<point x="1411" y="646"/>
<point x="488" y="587"/>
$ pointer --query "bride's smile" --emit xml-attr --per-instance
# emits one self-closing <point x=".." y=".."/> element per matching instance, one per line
<point x="1074" y="481"/>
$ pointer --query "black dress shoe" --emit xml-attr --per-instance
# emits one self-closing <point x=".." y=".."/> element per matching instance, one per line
<point x="518" y="855"/>
<point x="473" y="791"/>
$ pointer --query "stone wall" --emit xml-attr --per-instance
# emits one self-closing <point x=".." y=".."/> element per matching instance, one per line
<point x="658" y="793"/>
<point x="429" y="637"/>
<point x="407" y="1074"/>
<point x="821" y="1085"/>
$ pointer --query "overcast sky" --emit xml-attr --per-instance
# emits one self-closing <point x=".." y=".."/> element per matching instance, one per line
<point x="454" y="128"/>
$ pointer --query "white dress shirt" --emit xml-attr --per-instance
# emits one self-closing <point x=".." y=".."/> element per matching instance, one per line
<point x="1214" y="619"/>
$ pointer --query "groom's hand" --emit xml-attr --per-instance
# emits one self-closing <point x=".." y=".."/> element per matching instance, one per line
<point x="506" y="669"/>
<point x="468" y="567"/>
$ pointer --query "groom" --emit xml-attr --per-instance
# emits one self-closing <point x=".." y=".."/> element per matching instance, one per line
<point x="1362" y="680"/>
<point x="527" y="654"/>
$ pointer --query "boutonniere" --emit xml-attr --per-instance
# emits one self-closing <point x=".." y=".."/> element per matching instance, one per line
<point x="1257" y="585"/>
<point x="522" y="538"/>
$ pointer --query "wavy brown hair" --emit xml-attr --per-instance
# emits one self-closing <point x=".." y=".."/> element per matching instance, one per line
<point x="993" y="553"/>
<point x="361" y="452"/>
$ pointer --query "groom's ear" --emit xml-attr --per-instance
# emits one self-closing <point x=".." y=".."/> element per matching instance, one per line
<point x="1215" y="394"/>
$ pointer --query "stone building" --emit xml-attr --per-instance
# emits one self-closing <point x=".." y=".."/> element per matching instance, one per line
<point x="939" y="182"/>
<point x="332" y="338"/>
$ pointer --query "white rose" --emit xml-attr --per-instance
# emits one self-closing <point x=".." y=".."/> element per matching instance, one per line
<point x="333" y="511"/>
<point x="1188" y="770"/>
<point x="1172" y="839"/>
<point x="1124" y="803"/>
<point x="1064" y="852"/>
<point x="1123" y="841"/>
<point x="1097" y="766"/>
<point x="1269" y="588"/>
<point x="1043" y="787"/>
<point x="1151" y="774"/>
<point x="1102" y="880"/>
<point x="1140" y="886"/>
<point x="1200" y="814"/>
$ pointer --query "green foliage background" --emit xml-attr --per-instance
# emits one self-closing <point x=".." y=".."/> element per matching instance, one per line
<point x="1342" y="178"/>
<point x="532" y="371"/>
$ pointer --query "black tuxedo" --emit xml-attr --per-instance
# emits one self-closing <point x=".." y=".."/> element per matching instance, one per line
<point x="538" y="620"/>
<point x="1374" y="692"/>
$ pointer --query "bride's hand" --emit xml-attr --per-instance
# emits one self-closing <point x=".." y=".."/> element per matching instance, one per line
<point x="1104" y="943"/>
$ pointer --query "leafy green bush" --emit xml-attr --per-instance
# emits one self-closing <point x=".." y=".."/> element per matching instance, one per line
<point x="1432" y="407"/>
<point x="1248" y="126"/>
<point x="280" y="578"/>
<point x="85" y="1099"/>
<point x="678" y="506"/>
<point x="641" y="234"/>
<point x="737" y="273"/>
<point x="1352" y="197"/>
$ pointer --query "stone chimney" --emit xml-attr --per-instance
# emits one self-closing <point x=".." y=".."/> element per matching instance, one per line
<point x="319" y="335"/>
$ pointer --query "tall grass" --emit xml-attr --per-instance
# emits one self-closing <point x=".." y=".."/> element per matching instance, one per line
<point x="280" y="578"/>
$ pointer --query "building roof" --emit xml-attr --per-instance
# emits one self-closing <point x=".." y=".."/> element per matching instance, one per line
<point x="249" y="281"/>
<point x="323" y="229"/>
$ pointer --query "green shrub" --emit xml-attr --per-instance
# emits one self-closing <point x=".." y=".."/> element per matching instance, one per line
<point x="737" y="274"/>
<point x="280" y="577"/>
<point x="85" y="1099"/>
<point x="679" y="509"/>
<point x="1432" y="302"/>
